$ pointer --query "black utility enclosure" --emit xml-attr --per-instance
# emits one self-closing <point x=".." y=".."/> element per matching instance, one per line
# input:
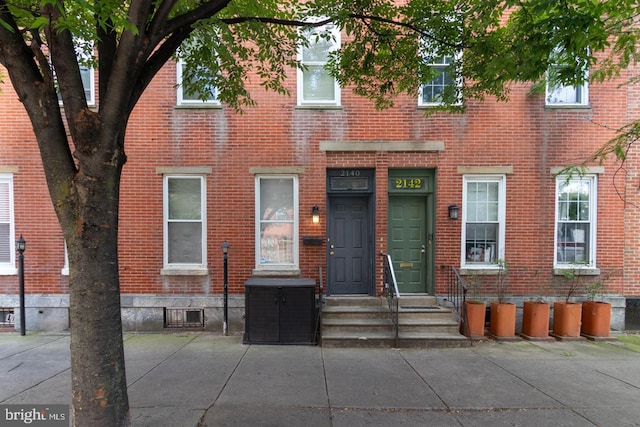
<point x="280" y="311"/>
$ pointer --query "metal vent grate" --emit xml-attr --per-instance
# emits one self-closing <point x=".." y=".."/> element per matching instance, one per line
<point x="184" y="318"/>
<point x="7" y="318"/>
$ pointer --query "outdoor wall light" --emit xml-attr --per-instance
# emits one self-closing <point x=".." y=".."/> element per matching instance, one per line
<point x="315" y="214"/>
<point x="21" y="244"/>
<point x="454" y="211"/>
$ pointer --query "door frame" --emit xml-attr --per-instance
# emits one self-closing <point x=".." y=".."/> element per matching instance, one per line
<point x="399" y="185"/>
<point x="353" y="182"/>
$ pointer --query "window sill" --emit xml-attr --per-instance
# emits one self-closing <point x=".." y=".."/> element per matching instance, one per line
<point x="561" y="270"/>
<point x="8" y="271"/>
<point x="489" y="270"/>
<point x="184" y="272"/>
<point x="318" y="107"/>
<point x="203" y="106"/>
<point x="294" y="272"/>
<point x="568" y="107"/>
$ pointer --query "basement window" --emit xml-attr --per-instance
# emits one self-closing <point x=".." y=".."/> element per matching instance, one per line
<point x="184" y="318"/>
<point x="7" y="317"/>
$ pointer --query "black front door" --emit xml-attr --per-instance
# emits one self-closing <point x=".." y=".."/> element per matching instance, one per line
<point x="349" y="261"/>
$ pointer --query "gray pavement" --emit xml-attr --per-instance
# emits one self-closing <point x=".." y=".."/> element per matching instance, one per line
<point x="185" y="379"/>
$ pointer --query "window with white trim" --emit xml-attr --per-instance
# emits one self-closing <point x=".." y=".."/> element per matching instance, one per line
<point x="184" y="222"/>
<point x="315" y="85"/>
<point x="445" y="80"/>
<point x="207" y="96"/>
<point x="483" y="213"/>
<point x="276" y="222"/>
<point x="576" y="207"/>
<point x="7" y="236"/>
<point x="559" y="94"/>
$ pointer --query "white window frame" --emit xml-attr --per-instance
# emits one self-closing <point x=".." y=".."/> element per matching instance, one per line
<point x="294" y="266"/>
<point x="557" y="96"/>
<point x="65" y="268"/>
<point x="184" y="268"/>
<point x="441" y="65"/>
<point x="7" y="215"/>
<point x="590" y="263"/>
<point x="554" y="97"/>
<point x="335" y="33"/>
<point x="492" y="264"/>
<point x="180" y="64"/>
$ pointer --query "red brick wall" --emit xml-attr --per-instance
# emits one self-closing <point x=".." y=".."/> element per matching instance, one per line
<point x="521" y="134"/>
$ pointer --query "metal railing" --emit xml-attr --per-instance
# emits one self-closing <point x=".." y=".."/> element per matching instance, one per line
<point x="456" y="297"/>
<point x="390" y="290"/>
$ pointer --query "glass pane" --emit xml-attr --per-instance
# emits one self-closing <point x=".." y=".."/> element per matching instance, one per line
<point x="318" y="49"/>
<point x="185" y="242"/>
<point x="5" y="243"/>
<point x="195" y="95"/>
<point x="85" y="74"/>
<point x="481" y="243"/>
<point x="185" y="200"/>
<point x="573" y="243"/>
<point x="276" y="243"/>
<point x="317" y="84"/>
<point x="482" y="201"/>
<point x="276" y="199"/>
<point x="5" y="202"/>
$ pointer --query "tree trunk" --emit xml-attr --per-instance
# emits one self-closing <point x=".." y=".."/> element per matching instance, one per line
<point x="89" y="218"/>
<point x="97" y="355"/>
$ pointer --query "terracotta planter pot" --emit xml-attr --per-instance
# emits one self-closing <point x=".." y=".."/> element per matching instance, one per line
<point x="567" y="318"/>
<point x="535" y="319"/>
<point x="503" y="319"/>
<point x="475" y="311"/>
<point x="596" y="318"/>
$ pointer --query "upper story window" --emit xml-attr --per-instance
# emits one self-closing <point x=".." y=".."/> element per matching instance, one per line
<point x="315" y="85"/>
<point x="483" y="213"/>
<point x="7" y="236"/>
<point x="277" y="222"/>
<point x="207" y="95"/>
<point x="432" y="93"/>
<point x="558" y="94"/>
<point x="184" y="222"/>
<point x="575" y="221"/>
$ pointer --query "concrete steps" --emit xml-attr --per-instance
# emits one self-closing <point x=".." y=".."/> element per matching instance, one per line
<point x="363" y="321"/>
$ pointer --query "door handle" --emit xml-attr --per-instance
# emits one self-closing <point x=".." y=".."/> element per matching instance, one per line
<point x="331" y="253"/>
<point x="422" y="249"/>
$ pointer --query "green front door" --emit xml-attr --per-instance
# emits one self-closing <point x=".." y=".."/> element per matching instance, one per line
<point x="409" y="242"/>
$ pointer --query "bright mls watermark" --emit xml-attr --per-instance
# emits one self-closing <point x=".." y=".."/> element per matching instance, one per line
<point x="34" y="415"/>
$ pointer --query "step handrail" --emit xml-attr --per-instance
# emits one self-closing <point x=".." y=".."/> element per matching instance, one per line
<point x="457" y="296"/>
<point x="390" y="289"/>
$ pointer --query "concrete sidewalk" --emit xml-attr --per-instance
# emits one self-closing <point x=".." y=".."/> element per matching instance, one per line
<point x="184" y="379"/>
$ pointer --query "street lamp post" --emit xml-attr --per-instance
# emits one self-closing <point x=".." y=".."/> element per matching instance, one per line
<point x="225" y="296"/>
<point x="21" y="246"/>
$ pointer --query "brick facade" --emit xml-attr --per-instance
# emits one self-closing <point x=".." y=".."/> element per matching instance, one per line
<point x="522" y="136"/>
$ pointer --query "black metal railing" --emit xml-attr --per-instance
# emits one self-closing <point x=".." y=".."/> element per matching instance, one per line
<point x="390" y="290"/>
<point x="456" y="297"/>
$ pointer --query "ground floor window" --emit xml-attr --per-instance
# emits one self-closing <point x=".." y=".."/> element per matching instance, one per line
<point x="184" y="221"/>
<point x="276" y="222"/>
<point x="7" y="236"/>
<point x="575" y="221"/>
<point x="483" y="212"/>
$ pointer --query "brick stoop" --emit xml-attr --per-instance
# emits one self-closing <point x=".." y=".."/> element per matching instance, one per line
<point x="364" y="321"/>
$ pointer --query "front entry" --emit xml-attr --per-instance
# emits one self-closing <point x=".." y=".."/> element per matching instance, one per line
<point x="410" y="230"/>
<point x="349" y="258"/>
<point x="350" y="232"/>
